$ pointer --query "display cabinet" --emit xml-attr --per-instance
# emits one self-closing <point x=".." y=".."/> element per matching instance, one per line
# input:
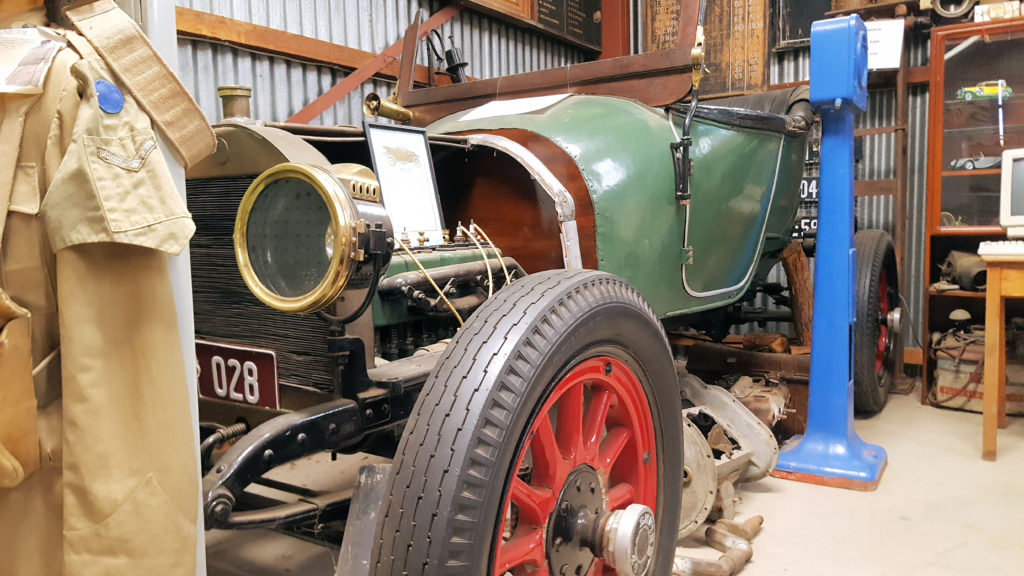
<point x="976" y="110"/>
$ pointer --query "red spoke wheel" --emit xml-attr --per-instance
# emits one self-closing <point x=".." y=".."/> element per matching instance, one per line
<point x="556" y="404"/>
<point x="590" y="447"/>
<point x="874" y="344"/>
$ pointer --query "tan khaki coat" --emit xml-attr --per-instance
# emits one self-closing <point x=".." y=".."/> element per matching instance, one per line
<point x="103" y="481"/>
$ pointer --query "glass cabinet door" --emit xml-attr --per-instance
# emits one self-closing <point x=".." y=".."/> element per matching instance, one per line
<point x="982" y="114"/>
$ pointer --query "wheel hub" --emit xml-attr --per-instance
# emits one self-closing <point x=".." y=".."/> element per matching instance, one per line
<point x="628" y="540"/>
<point x="574" y="539"/>
<point x="582" y="530"/>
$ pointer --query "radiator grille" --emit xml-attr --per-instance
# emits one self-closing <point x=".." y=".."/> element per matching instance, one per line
<point x="225" y="310"/>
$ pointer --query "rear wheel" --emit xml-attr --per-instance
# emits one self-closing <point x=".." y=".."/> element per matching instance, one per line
<point x="554" y="405"/>
<point x="875" y="346"/>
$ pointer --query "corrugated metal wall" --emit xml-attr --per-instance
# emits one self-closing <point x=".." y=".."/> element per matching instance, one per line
<point x="877" y="162"/>
<point x="282" y="87"/>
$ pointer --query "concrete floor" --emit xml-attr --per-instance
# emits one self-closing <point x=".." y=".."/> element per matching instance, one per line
<point x="939" y="510"/>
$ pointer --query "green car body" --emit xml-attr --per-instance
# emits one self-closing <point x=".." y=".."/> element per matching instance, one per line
<point x="684" y="258"/>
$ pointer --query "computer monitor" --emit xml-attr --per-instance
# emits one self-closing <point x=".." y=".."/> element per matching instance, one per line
<point x="1011" y="193"/>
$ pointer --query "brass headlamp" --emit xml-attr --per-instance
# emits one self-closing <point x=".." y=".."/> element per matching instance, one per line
<point x="305" y="233"/>
<point x="373" y="106"/>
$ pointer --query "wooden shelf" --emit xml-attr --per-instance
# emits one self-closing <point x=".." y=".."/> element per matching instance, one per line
<point x="955" y="294"/>
<point x="962" y="173"/>
<point x="969" y="231"/>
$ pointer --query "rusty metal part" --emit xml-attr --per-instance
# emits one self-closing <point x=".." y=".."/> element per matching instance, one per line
<point x="721" y="359"/>
<point x="964" y="268"/>
<point x="766" y="402"/>
<point x="832" y="482"/>
<point x="744" y="446"/>
<point x="730" y="538"/>
<point x="756" y="449"/>
<point x="724" y="507"/>
<point x="719" y="441"/>
<point x="746" y="529"/>
<point x="700" y="480"/>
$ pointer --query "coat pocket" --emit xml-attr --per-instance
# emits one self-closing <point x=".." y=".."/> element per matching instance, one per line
<point x="132" y="181"/>
<point x="146" y="535"/>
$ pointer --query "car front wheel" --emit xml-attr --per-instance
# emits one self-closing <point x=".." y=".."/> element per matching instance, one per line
<point x="553" y="414"/>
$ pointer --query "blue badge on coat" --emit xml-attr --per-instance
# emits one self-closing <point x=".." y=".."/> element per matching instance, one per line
<point x="110" y="98"/>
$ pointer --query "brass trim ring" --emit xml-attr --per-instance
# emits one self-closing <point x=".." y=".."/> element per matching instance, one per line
<point x="342" y="214"/>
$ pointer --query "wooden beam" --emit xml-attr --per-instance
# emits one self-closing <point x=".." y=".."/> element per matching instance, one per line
<point x="876" y="80"/>
<point x="917" y="75"/>
<point x="385" y="58"/>
<point x="206" y="26"/>
<point x="863" y="188"/>
<point x="878" y="130"/>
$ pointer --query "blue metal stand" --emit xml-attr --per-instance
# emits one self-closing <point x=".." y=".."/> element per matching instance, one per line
<point x="831" y="453"/>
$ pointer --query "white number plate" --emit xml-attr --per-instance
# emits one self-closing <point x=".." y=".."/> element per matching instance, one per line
<point x="237" y="374"/>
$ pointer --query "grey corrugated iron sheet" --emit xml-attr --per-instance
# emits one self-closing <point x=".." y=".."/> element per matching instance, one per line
<point x="282" y="87"/>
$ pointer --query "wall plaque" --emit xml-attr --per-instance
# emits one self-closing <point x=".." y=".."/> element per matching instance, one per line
<point x="736" y="40"/>
<point x="575" y="21"/>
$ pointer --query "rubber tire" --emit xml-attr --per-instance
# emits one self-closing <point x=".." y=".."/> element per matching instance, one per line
<point x="875" y="255"/>
<point x="968" y="96"/>
<point x="452" y="467"/>
<point x="969" y="165"/>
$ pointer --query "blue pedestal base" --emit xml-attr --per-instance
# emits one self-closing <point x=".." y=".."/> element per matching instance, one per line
<point x="829" y="461"/>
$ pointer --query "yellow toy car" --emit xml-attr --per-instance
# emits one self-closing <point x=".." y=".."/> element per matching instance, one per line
<point x="990" y="89"/>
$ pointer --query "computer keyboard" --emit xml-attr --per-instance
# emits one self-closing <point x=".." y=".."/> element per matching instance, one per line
<point x="996" y="249"/>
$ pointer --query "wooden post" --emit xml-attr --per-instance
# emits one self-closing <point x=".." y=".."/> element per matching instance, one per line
<point x="801" y="290"/>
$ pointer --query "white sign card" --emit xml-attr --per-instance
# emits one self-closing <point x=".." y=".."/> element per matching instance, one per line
<point x="885" y="43"/>
<point x="405" y="170"/>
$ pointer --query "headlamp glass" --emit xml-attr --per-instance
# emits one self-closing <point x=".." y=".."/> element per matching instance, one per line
<point x="285" y="238"/>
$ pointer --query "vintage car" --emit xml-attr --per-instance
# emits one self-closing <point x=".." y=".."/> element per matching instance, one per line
<point x="990" y="89"/>
<point x="979" y="161"/>
<point x="517" y="371"/>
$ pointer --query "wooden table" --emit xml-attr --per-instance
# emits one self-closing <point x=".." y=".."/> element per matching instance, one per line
<point x="1005" y="280"/>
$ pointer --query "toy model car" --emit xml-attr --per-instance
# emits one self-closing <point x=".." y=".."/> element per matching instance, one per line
<point x="979" y="161"/>
<point x="990" y="89"/>
<point x="518" y="374"/>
